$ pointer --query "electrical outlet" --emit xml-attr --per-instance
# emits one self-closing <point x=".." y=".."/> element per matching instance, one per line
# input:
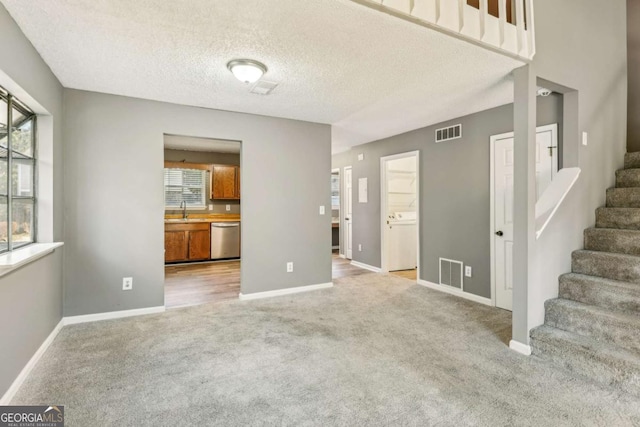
<point x="359" y="247"/>
<point x="211" y="207"/>
<point x="228" y="208"/>
<point x="467" y="271"/>
<point x="127" y="283"/>
<point x="321" y="210"/>
<point x="289" y="267"/>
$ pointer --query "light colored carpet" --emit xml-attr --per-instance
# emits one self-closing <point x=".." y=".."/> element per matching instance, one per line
<point x="373" y="350"/>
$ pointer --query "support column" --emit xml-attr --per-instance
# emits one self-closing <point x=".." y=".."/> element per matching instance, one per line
<point x="524" y="237"/>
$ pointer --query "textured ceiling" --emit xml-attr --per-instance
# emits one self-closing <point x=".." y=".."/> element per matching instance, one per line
<point x="369" y="74"/>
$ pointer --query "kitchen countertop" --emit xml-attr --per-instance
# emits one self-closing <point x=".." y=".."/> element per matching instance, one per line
<point x="194" y="218"/>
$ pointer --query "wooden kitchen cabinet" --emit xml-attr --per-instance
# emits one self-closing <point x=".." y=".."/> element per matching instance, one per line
<point x="200" y="244"/>
<point x="225" y="182"/>
<point x="187" y="241"/>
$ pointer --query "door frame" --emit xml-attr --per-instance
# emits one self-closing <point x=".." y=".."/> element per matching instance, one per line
<point x="492" y="140"/>
<point x="339" y="172"/>
<point x="384" y="267"/>
<point x="343" y="216"/>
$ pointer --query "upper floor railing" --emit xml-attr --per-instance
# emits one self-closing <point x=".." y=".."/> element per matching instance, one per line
<point x="504" y="25"/>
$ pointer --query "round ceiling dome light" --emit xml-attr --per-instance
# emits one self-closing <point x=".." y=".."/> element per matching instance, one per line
<point x="247" y="70"/>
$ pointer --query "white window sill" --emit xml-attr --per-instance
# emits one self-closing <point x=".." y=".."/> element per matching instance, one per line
<point x="20" y="257"/>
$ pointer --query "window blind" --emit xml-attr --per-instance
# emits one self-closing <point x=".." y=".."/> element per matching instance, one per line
<point x="186" y="185"/>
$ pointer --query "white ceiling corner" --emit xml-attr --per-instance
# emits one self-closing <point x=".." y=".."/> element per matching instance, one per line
<point x="369" y="74"/>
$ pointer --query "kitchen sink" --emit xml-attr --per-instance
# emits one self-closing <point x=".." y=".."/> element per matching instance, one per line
<point x="186" y="220"/>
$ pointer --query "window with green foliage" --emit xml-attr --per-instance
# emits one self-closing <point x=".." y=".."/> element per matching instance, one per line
<point x="17" y="173"/>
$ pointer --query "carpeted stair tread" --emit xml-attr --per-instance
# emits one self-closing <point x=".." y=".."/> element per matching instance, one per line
<point x="622" y="218"/>
<point x="618" y="328"/>
<point x="588" y="358"/>
<point x="622" y="267"/>
<point x="605" y="293"/>
<point x="623" y="197"/>
<point x="632" y="160"/>
<point x="612" y="240"/>
<point x="626" y="178"/>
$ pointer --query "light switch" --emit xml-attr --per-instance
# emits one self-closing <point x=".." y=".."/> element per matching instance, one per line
<point x="322" y="210"/>
<point x="228" y="208"/>
<point x="361" y="157"/>
<point x="585" y="138"/>
<point x="211" y="207"/>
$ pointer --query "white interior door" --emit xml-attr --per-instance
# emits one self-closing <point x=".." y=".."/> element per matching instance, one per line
<point x="348" y="217"/>
<point x="503" y="220"/>
<point x="546" y="168"/>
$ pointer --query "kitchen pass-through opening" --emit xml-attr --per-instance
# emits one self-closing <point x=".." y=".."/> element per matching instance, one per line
<point x="202" y="225"/>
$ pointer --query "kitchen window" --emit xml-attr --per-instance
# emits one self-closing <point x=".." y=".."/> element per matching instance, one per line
<point x="17" y="173"/>
<point x="184" y="185"/>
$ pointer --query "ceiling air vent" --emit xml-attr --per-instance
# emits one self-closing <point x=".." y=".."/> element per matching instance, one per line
<point x="447" y="134"/>
<point x="263" y="87"/>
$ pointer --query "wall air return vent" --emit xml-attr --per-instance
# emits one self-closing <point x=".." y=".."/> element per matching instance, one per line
<point x="451" y="273"/>
<point x="447" y="134"/>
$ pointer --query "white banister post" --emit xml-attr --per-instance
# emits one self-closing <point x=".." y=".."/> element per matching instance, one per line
<point x="502" y="19"/>
<point x="531" y="34"/>
<point x="520" y="28"/>
<point x="483" y="17"/>
<point x="524" y="202"/>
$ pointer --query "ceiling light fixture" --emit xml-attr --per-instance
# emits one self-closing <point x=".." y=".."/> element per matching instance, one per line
<point x="247" y="70"/>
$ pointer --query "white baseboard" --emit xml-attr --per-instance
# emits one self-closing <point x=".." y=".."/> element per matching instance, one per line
<point x="456" y="292"/>
<point x="72" y="320"/>
<point x="335" y="247"/>
<point x="366" y="266"/>
<point x="287" y="291"/>
<point x="22" y="376"/>
<point x="520" y="348"/>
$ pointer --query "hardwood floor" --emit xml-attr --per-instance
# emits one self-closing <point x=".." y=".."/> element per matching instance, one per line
<point x="342" y="267"/>
<point x="407" y="274"/>
<point x="202" y="283"/>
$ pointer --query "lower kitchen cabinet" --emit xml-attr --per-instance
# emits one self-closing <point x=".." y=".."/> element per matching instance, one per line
<point x="187" y="242"/>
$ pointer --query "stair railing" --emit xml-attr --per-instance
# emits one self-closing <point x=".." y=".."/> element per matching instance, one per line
<point x="513" y="35"/>
<point x="553" y="196"/>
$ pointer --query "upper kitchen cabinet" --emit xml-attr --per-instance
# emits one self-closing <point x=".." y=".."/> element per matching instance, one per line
<point x="225" y="182"/>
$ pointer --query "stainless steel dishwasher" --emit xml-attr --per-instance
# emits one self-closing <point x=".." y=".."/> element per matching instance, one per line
<point x="225" y="240"/>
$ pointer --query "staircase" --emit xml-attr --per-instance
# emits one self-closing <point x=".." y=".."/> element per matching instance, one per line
<point x="593" y="328"/>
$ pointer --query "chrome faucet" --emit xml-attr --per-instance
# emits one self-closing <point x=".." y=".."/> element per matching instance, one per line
<point x="183" y="206"/>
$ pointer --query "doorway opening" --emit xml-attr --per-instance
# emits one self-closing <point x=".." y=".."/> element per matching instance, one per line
<point x="202" y="223"/>
<point x="399" y="209"/>
<point x="347" y="215"/>
<point x="501" y="189"/>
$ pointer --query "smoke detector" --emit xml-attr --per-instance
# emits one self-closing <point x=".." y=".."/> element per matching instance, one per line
<point x="543" y="91"/>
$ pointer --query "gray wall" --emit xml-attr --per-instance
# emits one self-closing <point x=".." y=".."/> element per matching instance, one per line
<point x="114" y="157"/>
<point x="454" y="191"/>
<point x="633" y="46"/>
<point x="31" y="297"/>
<point x="209" y="158"/>
<point x="581" y="44"/>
